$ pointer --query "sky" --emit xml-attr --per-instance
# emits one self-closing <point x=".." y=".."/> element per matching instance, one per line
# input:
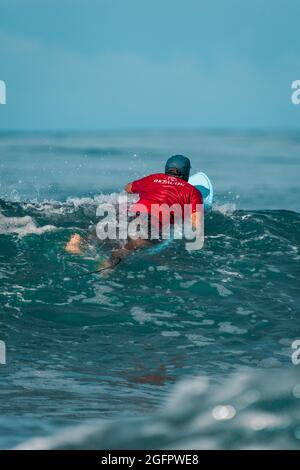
<point x="149" y="64"/>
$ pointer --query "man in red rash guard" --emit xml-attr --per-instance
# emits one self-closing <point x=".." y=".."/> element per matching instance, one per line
<point x="168" y="188"/>
<point x="164" y="188"/>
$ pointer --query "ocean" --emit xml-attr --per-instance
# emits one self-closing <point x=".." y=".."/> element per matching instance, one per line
<point x="177" y="349"/>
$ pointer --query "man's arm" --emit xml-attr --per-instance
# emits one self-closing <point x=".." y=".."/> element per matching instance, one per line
<point x="196" y="219"/>
<point x="135" y="186"/>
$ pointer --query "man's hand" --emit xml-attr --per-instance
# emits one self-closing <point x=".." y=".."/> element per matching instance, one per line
<point x="128" y="188"/>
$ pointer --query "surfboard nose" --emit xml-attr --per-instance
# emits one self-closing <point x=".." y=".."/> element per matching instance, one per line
<point x="202" y="182"/>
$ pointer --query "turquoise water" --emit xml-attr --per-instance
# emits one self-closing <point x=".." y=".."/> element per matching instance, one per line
<point x="130" y="349"/>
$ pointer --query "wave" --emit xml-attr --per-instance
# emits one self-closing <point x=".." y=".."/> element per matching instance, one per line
<point x="223" y="311"/>
<point x="22" y="226"/>
<point x="248" y="411"/>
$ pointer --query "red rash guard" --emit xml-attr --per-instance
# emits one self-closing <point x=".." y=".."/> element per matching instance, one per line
<point x="165" y="189"/>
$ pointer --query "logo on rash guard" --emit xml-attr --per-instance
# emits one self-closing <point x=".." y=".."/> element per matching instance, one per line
<point x="171" y="182"/>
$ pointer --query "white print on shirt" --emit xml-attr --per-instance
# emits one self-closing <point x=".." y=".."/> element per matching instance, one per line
<point x="173" y="183"/>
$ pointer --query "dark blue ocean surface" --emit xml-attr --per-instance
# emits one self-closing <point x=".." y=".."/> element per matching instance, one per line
<point x="177" y="349"/>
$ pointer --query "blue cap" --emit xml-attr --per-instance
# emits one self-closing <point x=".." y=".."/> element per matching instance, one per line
<point x="180" y="163"/>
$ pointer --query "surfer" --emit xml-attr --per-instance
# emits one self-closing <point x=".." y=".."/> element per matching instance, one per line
<point x="169" y="188"/>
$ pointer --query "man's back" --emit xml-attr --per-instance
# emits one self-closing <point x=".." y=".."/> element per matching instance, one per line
<point x="161" y="188"/>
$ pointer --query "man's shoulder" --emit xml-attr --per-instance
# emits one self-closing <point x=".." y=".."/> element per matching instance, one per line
<point x="193" y="191"/>
<point x="192" y="188"/>
<point x="158" y="176"/>
<point x="168" y="179"/>
<point x="153" y="176"/>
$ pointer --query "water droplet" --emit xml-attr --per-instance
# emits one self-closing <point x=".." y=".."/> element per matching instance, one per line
<point x="223" y="412"/>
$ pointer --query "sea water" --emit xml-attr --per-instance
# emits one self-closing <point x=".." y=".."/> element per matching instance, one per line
<point x="176" y="349"/>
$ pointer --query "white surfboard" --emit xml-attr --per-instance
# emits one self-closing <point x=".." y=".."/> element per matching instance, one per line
<point x="202" y="182"/>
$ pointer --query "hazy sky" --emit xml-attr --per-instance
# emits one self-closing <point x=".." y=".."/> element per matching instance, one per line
<point x="93" y="64"/>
